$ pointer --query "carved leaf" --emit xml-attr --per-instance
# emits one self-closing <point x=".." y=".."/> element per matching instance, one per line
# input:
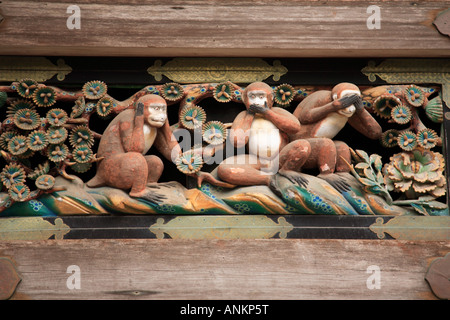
<point x="363" y="155"/>
<point x="362" y="165"/>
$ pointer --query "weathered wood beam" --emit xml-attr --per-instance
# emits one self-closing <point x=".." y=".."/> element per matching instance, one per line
<point x="290" y="28"/>
<point x="224" y="269"/>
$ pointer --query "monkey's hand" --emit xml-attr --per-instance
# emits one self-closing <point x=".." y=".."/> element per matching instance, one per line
<point x="359" y="104"/>
<point x="346" y="101"/>
<point x="253" y="108"/>
<point x="139" y="116"/>
<point x="139" y="110"/>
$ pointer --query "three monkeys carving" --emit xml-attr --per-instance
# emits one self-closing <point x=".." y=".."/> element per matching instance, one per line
<point x="277" y="142"/>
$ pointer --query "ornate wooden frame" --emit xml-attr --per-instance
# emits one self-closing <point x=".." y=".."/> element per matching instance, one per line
<point x="191" y="70"/>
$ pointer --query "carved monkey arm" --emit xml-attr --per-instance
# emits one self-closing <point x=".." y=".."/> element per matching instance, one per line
<point x="166" y="143"/>
<point x="240" y="129"/>
<point x="309" y="115"/>
<point x="132" y="133"/>
<point x="363" y="121"/>
<point x="318" y="106"/>
<point x="283" y="120"/>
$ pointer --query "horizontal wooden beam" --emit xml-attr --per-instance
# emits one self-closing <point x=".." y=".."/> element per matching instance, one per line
<point x="290" y="28"/>
<point x="223" y="269"/>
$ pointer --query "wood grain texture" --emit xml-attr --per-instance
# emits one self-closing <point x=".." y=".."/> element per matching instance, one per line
<point x="291" y="28"/>
<point x="223" y="269"/>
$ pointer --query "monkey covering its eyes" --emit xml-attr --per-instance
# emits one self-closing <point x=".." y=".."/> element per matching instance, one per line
<point x="322" y="115"/>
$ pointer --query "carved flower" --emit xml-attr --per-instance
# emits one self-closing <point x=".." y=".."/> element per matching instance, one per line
<point x="94" y="89"/>
<point x="44" y="96"/>
<point x="189" y="162"/>
<point x="434" y="110"/>
<point x="284" y="94"/>
<point x="407" y="140"/>
<point x="81" y="136"/>
<point x="78" y="108"/>
<point x="223" y="92"/>
<point x="56" y="135"/>
<point x="414" y="95"/>
<point x="418" y="171"/>
<point x="81" y="167"/>
<point x="104" y="106"/>
<point x="82" y="154"/>
<point x="401" y="114"/>
<point x="27" y="119"/>
<point x="6" y="137"/>
<point x="389" y="138"/>
<point x="12" y="174"/>
<point x="19" y="192"/>
<point x="37" y="140"/>
<point x="383" y="105"/>
<point x="57" y="117"/>
<point x="17" y="145"/>
<point x="18" y="105"/>
<point x="26" y="88"/>
<point x="57" y="152"/>
<point x="45" y="182"/>
<point x="427" y="138"/>
<point x="214" y="132"/>
<point x="172" y="91"/>
<point x="192" y="117"/>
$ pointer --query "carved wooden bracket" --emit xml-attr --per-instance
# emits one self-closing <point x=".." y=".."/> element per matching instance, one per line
<point x="442" y="22"/>
<point x="9" y="278"/>
<point x="438" y="277"/>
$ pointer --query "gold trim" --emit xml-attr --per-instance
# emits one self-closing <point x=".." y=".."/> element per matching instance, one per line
<point x="432" y="228"/>
<point x="221" y="227"/>
<point x="200" y="70"/>
<point x="400" y="71"/>
<point x="33" y="228"/>
<point x="36" y="68"/>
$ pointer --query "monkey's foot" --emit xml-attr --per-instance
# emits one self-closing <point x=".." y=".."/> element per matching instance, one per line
<point x="205" y="176"/>
<point x="274" y="186"/>
<point x="150" y="196"/>
<point x="335" y="181"/>
<point x="294" y="177"/>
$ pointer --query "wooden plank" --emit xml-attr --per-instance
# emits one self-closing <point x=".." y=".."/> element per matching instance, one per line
<point x="290" y="28"/>
<point x="223" y="269"/>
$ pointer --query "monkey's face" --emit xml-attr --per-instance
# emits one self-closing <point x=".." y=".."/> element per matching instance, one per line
<point x="259" y="95"/>
<point x="257" y="99"/>
<point x="156" y="114"/>
<point x="350" y="110"/>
